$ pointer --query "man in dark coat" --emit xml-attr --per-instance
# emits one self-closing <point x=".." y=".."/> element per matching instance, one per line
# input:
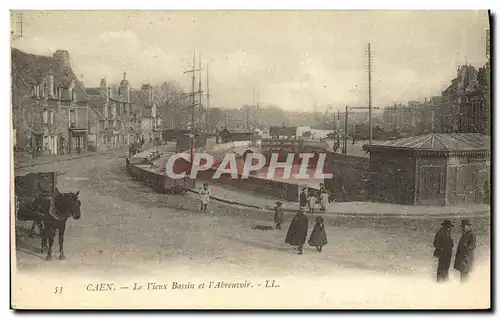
<point x="464" y="256"/>
<point x="297" y="232"/>
<point x="443" y="244"/>
<point x="303" y="198"/>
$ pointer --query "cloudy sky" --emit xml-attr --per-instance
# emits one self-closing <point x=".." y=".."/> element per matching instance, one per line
<point x="293" y="59"/>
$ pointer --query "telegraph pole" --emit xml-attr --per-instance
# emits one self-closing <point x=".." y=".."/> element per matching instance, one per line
<point x="258" y="110"/>
<point x="200" y="95"/>
<point x="208" y="100"/>
<point x="345" y="131"/>
<point x="370" y="91"/>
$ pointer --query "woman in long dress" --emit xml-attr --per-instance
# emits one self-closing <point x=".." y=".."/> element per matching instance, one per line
<point x="324" y="200"/>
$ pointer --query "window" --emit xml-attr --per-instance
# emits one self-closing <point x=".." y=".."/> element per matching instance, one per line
<point x="36" y="90"/>
<point x="72" y="118"/>
<point x="45" y="116"/>
<point x="105" y="112"/>
<point x="51" y="117"/>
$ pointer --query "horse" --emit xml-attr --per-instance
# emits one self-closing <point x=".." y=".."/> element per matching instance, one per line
<point x="65" y="205"/>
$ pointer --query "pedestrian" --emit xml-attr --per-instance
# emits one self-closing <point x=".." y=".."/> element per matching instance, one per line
<point x="318" y="236"/>
<point x="278" y="215"/>
<point x="312" y="204"/>
<point x="443" y="244"/>
<point x="464" y="256"/>
<point x="303" y="198"/>
<point x="204" y="194"/>
<point x="323" y="200"/>
<point x="297" y="232"/>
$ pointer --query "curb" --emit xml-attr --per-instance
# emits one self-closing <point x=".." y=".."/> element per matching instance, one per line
<point x="63" y="160"/>
<point x="362" y="215"/>
<point x="56" y="161"/>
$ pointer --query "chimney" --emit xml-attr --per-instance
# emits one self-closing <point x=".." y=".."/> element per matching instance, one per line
<point x="51" y="85"/>
<point x="108" y="96"/>
<point x="103" y="85"/>
<point x="125" y="75"/>
<point x="62" y="57"/>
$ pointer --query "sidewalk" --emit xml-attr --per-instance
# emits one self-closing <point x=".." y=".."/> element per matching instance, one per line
<point x="361" y="209"/>
<point x="24" y="159"/>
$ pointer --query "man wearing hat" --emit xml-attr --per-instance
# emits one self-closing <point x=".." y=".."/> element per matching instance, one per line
<point x="443" y="244"/>
<point x="303" y="198"/>
<point x="204" y="193"/>
<point x="465" y="250"/>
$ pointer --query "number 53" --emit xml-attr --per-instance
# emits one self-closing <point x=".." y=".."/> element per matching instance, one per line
<point x="58" y="290"/>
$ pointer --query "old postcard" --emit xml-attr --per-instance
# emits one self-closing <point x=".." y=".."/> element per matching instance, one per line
<point x="250" y="159"/>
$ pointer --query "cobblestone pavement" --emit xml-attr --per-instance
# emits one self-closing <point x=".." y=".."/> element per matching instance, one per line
<point x="128" y="227"/>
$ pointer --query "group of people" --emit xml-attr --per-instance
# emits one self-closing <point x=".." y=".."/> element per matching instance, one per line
<point x="297" y="232"/>
<point x="309" y="201"/>
<point x="464" y="256"/>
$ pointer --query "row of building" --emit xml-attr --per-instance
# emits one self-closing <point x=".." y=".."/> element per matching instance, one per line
<point x="53" y="113"/>
<point x="463" y="107"/>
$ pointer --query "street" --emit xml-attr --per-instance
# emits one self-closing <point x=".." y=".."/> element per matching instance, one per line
<point x="129" y="228"/>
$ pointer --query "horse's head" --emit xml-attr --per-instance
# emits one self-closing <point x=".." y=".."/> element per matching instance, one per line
<point x="71" y="204"/>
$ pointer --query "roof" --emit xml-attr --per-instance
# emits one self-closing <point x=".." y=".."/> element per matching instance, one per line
<point x="286" y="130"/>
<point x="237" y="131"/>
<point x="455" y="142"/>
<point x="29" y="69"/>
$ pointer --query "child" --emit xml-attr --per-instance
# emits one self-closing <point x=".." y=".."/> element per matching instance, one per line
<point x="318" y="235"/>
<point x="323" y="200"/>
<point x="312" y="204"/>
<point x="278" y="215"/>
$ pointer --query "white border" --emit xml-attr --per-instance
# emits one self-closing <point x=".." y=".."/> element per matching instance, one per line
<point x="183" y="5"/>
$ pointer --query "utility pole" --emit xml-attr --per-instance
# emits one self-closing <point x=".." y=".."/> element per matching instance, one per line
<point x="334" y="123"/>
<point x="345" y="131"/>
<point x="200" y="94"/>
<point x="19" y="27"/>
<point x="208" y="100"/>
<point x="258" y="110"/>
<point x="370" y="92"/>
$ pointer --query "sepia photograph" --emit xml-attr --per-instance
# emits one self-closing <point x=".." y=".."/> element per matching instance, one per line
<point x="314" y="159"/>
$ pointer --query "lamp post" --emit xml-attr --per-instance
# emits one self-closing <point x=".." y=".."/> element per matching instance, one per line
<point x="347" y="110"/>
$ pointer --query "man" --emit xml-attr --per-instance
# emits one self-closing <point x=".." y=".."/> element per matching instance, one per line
<point x="278" y="215"/>
<point x="204" y="193"/>
<point x="303" y="198"/>
<point x="443" y="244"/>
<point x="464" y="256"/>
<point x="297" y="232"/>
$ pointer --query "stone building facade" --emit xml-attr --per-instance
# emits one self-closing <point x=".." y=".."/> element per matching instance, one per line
<point x="50" y="105"/>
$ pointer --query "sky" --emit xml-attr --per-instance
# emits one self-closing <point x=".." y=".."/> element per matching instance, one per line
<point x="293" y="59"/>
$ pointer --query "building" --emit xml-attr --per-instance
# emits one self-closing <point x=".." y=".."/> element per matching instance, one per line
<point x="466" y="107"/>
<point x="415" y="119"/>
<point x="145" y="120"/>
<point x="283" y="132"/>
<point x="110" y="117"/>
<point x="235" y="135"/>
<point x="50" y="105"/>
<point x="433" y="169"/>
